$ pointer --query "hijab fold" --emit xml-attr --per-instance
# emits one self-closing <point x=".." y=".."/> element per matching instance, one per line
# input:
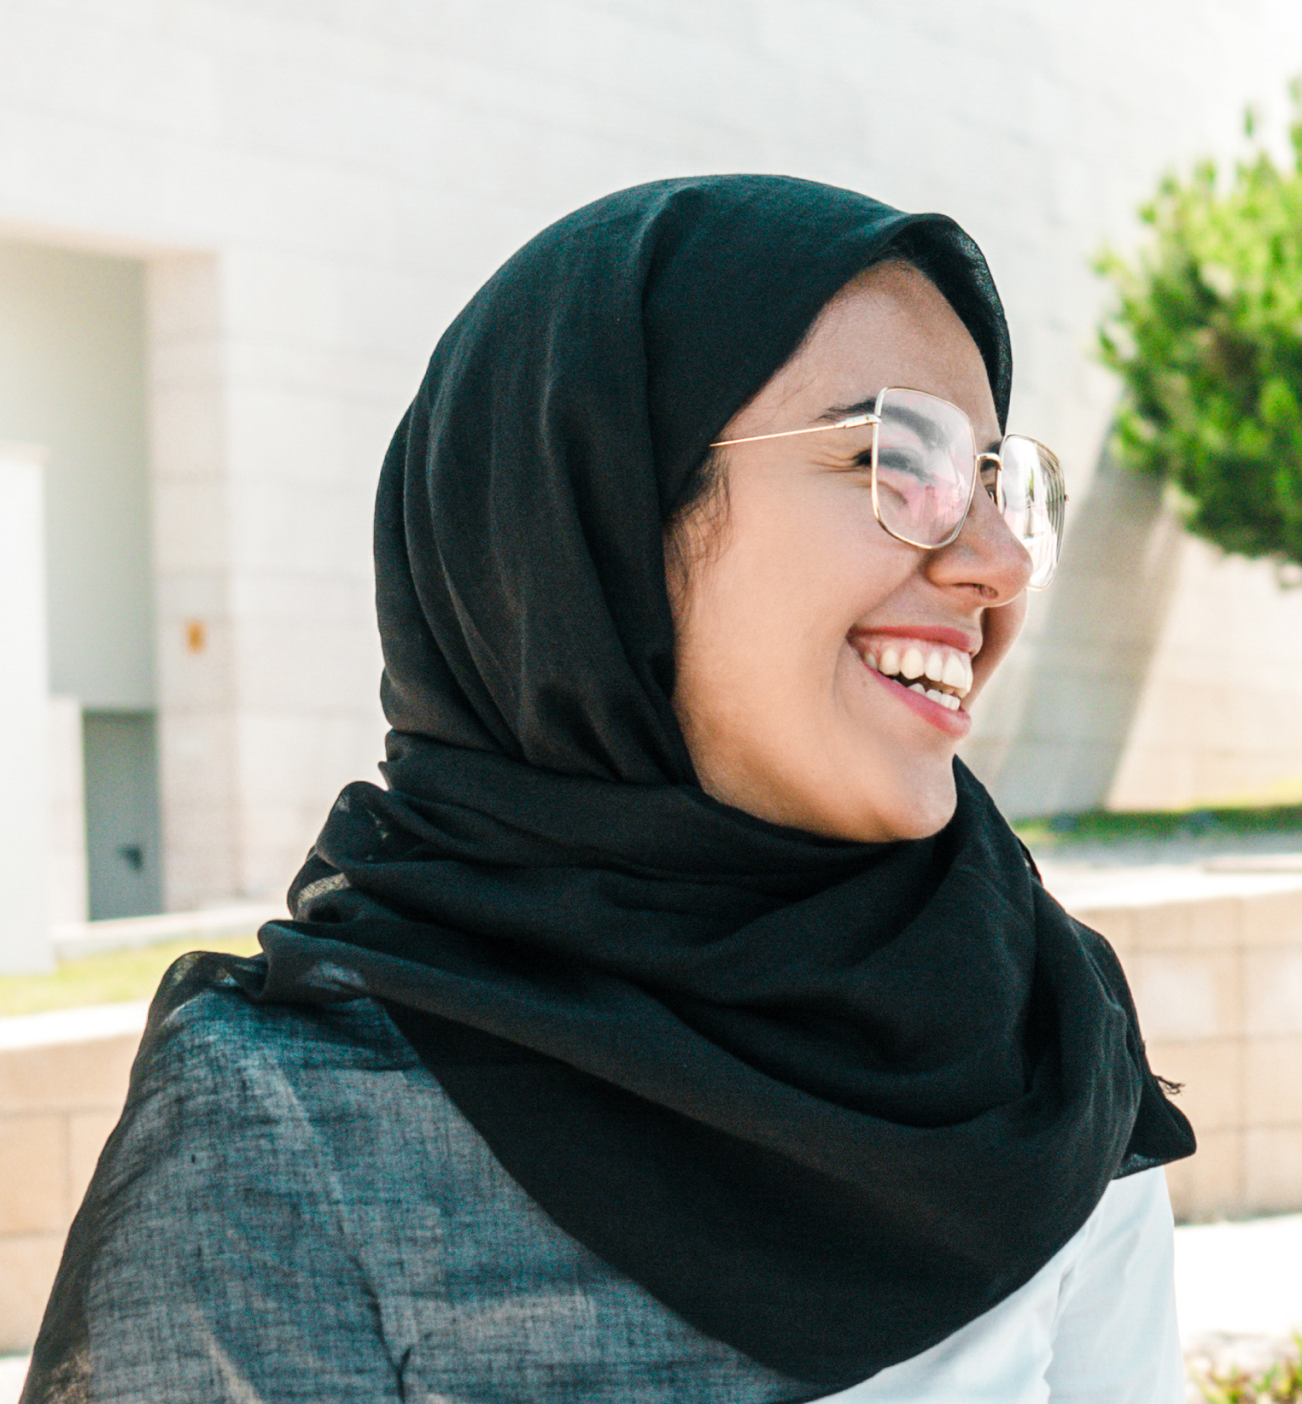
<point x="827" y="1101"/>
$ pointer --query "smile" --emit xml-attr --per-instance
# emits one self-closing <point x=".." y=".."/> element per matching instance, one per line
<point x="935" y="671"/>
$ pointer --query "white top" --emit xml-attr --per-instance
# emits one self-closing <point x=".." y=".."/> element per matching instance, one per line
<point x="1096" y="1324"/>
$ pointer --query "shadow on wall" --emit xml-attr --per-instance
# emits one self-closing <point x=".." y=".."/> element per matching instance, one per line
<point x="1076" y="696"/>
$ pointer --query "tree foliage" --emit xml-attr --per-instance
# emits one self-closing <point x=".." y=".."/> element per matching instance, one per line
<point x="1207" y="337"/>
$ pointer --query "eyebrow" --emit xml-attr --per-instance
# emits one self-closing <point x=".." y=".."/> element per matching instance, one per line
<point x="834" y="412"/>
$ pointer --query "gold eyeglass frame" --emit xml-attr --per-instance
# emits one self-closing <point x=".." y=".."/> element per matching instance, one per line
<point x="982" y="461"/>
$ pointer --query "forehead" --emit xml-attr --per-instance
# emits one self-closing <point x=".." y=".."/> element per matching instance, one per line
<point x="890" y="326"/>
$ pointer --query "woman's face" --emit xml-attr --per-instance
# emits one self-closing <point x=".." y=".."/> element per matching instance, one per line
<point x="786" y="598"/>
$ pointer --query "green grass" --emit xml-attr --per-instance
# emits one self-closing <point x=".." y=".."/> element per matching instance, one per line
<point x="112" y="978"/>
<point x="1280" y="1384"/>
<point x="1106" y="826"/>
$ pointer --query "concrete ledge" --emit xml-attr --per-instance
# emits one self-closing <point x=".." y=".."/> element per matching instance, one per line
<point x="82" y="938"/>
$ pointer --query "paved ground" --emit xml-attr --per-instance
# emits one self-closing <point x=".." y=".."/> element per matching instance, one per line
<point x="1239" y="1288"/>
<point x="13" y="1370"/>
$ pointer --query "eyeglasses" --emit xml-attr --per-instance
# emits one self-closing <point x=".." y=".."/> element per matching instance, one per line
<point x="925" y="469"/>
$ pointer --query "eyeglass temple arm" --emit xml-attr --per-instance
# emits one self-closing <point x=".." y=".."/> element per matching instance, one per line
<point x="852" y="423"/>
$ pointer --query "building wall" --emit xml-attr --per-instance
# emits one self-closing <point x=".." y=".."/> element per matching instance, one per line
<point x="24" y="713"/>
<point x="1218" y="986"/>
<point x="72" y="378"/>
<point x="316" y="189"/>
<point x="1217" y="721"/>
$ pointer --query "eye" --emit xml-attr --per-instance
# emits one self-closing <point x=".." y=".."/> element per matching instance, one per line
<point x="905" y="460"/>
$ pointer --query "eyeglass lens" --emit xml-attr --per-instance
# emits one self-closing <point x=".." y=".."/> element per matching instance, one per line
<point x="926" y="459"/>
<point x="1033" y="502"/>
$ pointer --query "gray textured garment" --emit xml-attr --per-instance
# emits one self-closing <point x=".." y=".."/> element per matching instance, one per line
<point x="291" y="1209"/>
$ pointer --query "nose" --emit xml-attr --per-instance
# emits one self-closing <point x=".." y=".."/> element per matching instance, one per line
<point x="985" y="557"/>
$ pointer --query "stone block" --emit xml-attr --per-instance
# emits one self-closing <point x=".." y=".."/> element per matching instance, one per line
<point x="1211" y="1074"/>
<point x="183" y="297"/>
<point x="1209" y="1184"/>
<point x="1272" y="993"/>
<point x="194" y="663"/>
<point x="87" y="1133"/>
<point x="187" y="422"/>
<point x="88" y="1075"/>
<point x="1208" y="924"/>
<point x="1273" y="1082"/>
<point x="1115" y="924"/>
<point x="1273" y="919"/>
<point x="1272" y="1170"/>
<point x="28" y="1263"/>
<point x="191" y="528"/>
<point x="33" y="1174"/>
<point x="1186" y="994"/>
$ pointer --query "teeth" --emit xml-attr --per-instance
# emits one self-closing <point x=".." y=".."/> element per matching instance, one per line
<point x="917" y="687"/>
<point x="948" y="667"/>
<point x="958" y="672"/>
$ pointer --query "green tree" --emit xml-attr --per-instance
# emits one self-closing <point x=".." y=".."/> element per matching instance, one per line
<point x="1207" y="338"/>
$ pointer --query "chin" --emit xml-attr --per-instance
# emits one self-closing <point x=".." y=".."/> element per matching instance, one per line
<point x="922" y="806"/>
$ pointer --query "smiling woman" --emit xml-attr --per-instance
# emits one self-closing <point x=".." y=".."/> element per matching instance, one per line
<point x="682" y="1022"/>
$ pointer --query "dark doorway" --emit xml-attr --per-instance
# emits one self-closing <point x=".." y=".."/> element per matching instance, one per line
<point x="122" y="824"/>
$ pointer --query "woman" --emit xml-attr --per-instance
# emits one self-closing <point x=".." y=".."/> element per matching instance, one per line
<point x="683" y="1022"/>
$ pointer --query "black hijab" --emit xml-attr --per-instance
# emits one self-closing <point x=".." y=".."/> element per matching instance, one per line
<point x="827" y="1101"/>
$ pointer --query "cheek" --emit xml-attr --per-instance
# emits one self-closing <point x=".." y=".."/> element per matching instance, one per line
<point x="999" y="631"/>
<point x="801" y="568"/>
<point x="762" y="629"/>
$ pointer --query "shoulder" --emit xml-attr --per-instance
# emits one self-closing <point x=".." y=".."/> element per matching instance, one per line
<point x="247" y="1209"/>
<point x="226" y="1088"/>
<point x="202" y="1017"/>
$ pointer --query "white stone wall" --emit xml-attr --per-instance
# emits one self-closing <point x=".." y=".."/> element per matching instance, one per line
<point x="72" y="369"/>
<point x="316" y="189"/>
<point x="24" y="713"/>
<point x="1219" y="720"/>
